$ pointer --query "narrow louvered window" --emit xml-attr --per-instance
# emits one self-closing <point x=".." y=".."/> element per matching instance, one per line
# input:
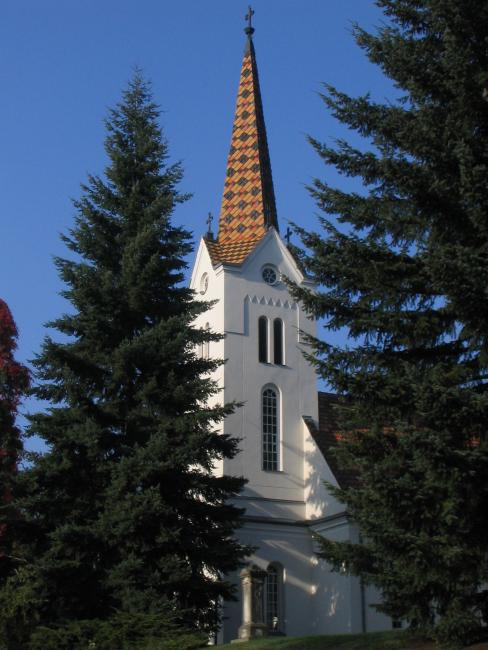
<point x="263" y="339"/>
<point x="270" y="431"/>
<point x="206" y="345"/>
<point x="278" y="341"/>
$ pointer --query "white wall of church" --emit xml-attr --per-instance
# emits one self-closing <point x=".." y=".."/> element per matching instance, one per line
<point x="246" y="298"/>
<point x="319" y="502"/>
<point x="375" y="621"/>
<point x="343" y="603"/>
<point x="291" y="547"/>
<point x="315" y="600"/>
<point x="214" y="318"/>
<point x="338" y="606"/>
<point x="282" y="507"/>
<point x="215" y="290"/>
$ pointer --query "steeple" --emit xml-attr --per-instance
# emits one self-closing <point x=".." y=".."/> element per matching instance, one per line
<point x="248" y="204"/>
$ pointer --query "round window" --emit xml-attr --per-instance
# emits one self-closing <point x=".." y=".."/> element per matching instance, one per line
<point x="270" y="275"/>
<point x="203" y="284"/>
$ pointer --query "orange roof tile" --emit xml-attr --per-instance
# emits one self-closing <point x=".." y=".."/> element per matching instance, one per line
<point x="234" y="252"/>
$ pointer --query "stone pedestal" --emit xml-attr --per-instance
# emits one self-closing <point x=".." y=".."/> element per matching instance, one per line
<point x="252" y="589"/>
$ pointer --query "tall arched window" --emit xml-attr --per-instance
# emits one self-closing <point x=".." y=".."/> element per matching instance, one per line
<point x="270" y="430"/>
<point x="263" y="339"/>
<point x="274" y="598"/>
<point x="278" y="341"/>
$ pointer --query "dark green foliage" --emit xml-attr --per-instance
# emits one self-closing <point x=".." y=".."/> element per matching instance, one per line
<point x="121" y="632"/>
<point x="403" y="267"/>
<point x="122" y="512"/>
<point x="20" y="602"/>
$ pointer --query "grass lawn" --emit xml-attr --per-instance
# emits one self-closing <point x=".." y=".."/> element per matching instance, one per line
<point x="396" y="640"/>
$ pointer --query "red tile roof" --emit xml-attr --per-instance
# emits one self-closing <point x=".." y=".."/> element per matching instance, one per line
<point x="327" y="436"/>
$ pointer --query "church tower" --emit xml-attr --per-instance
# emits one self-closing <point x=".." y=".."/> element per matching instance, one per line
<point x="242" y="269"/>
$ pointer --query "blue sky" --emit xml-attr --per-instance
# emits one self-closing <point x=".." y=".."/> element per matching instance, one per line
<point x="63" y="63"/>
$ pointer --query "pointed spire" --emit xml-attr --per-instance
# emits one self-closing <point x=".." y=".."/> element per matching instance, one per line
<point x="248" y="205"/>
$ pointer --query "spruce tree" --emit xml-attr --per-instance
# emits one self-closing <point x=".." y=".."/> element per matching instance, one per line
<point x="14" y="380"/>
<point x="124" y="509"/>
<point x="402" y="267"/>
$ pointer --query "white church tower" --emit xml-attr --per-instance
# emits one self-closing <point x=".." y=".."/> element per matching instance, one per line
<point x="284" y="439"/>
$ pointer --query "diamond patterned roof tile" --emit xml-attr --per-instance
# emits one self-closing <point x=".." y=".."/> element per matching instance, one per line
<point x="248" y="204"/>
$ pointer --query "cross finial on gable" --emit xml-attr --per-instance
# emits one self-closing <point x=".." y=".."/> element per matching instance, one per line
<point x="209" y="224"/>
<point x="288" y="235"/>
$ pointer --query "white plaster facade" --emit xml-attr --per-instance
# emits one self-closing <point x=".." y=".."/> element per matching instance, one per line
<point x="282" y="508"/>
<point x="285" y="501"/>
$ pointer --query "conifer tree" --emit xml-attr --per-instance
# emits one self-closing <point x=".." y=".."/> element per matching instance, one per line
<point x="14" y="380"/>
<point x="124" y="511"/>
<point x="403" y="267"/>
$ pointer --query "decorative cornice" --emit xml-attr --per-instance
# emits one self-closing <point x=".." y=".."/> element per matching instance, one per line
<point x="272" y="302"/>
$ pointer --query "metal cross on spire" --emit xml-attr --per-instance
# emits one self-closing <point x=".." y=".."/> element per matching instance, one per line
<point x="249" y="29"/>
